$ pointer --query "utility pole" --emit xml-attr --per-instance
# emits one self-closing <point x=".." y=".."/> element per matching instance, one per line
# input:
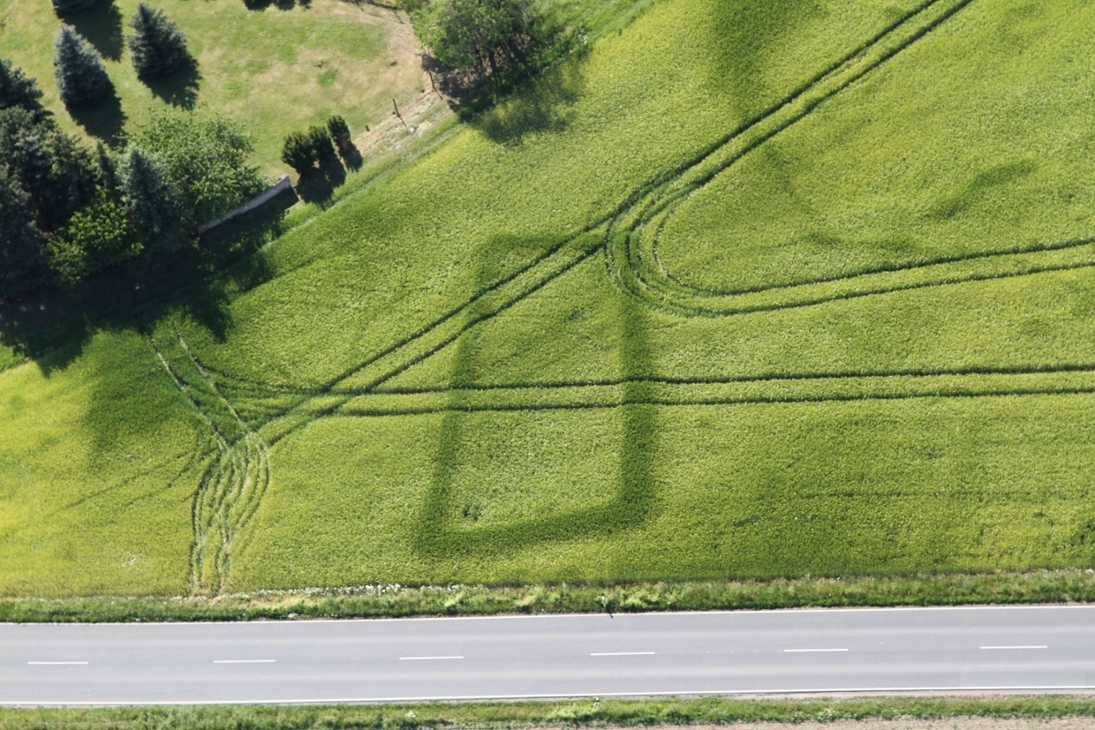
<point x="396" y="108"/>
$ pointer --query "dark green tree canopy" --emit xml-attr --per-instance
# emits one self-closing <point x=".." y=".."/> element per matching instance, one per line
<point x="150" y="199"/>
<point x="17" y="90"/>
<point x="157" y="46"/>
<point x="22" y="264"/>
<point x="320" y="140"/>
<point x="205" y="159"/>
<point x="45" y="176"/>
<point x="297" y="152"/>
<point x="462" y="33"/>
<point x="96" y="237"/>
<point x="57" y="173"/>
<point x="337" y="126"/>
<point x="81" y="76"/>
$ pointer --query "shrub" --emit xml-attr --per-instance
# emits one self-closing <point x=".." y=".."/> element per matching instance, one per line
<point x="298" y="152"/>
<point x="73" y="6"/>
<point x="81" y="77"/>
<point x="321" y="143"/>
<point x="151" y="201"/>
<point x="17" y="90"/>
<point x="337" y="126"/>
<point x="157" y="46"/>
<point x="96" y="237"/>
<point x="205" y="158"/>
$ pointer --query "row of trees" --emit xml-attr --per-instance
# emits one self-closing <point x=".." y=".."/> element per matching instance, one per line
<point x="67" y="211"/>
<point x="302" y="150"/>
<point x="157" y="48"/>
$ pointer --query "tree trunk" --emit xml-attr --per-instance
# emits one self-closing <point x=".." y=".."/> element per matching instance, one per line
<point x="493" y="65"/>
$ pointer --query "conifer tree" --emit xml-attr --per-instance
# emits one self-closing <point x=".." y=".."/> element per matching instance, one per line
<point x="152" y="203"/>
<point x="81" y="77"/>
<point x="18" y="90"/>
<point x="157" y="46"/>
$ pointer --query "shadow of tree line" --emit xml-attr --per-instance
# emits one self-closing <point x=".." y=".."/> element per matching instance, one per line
<point x="52" y="326"/>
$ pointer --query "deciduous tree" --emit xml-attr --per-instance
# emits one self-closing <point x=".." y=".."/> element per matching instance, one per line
<point x="461" y="33"/>
<point x="206" y="160"/>
<point x="95" y="238"/>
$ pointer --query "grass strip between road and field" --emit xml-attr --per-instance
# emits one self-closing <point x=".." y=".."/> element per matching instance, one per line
<point x="600" y="713"/>
<point x="394" y="601"/>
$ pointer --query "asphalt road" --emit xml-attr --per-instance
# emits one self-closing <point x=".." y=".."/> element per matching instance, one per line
<point x="857" y="650"/>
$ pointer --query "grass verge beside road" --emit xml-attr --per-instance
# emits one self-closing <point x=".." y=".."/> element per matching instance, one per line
<point x="388" y="601"/>
<point x="553" y="714"/>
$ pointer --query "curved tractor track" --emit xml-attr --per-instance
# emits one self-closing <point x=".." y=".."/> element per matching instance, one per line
<point x="264" y="413"/>
<point x="632" y="242"/>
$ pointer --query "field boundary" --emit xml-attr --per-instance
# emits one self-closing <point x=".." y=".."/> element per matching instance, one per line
<point x="595" y="712"/>
<point x="397" y="601"/>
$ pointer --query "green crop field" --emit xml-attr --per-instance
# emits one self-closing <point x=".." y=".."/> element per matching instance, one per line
<point x="748" y="289"/>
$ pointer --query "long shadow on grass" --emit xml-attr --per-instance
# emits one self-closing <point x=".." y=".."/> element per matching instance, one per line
<point x="104" y="120"/>
<point x="52" y="326"/>
<point x="438" y="533"/>
<point x="181" y="87"/>
<point x="318" y="185"/>
<point x="546" y="106"/>
<point x="102" y="26"/>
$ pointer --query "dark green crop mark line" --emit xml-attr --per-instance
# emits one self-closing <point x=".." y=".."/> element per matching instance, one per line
<point x="975" y="370"/>
<point x="975" y="383"/>
<point x="232" y="486"/>
<point x="706" y="402"/>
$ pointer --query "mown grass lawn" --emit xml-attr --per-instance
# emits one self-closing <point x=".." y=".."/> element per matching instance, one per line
<point x="746" y="290"/>
<point x="278" y="67"/>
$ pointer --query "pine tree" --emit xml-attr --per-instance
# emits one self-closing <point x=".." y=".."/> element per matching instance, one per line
<point x="73" y="6"/>
<point x="157" y="45"/>
<point x="17" y="90"/>
<point x="321" y="143"/>
<point x="299" y="153"/>
<point x="55" y="170"/>
<point x="151" y="201"/>
<point x="81" y="77"/>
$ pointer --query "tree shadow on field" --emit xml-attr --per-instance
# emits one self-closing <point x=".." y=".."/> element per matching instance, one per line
<point x="547" y="105"/>
<point x="352" y="158"/>
<point x="743" y="36"/>
<point x="259" y="5"/>
<point x="101" y="25"/>
<point x="52" y="326"/>
<point x="318" y="185"/>
<point x="179" y="88"/>
<point x="438" y="532"/>
<point x="103" y="120"/>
